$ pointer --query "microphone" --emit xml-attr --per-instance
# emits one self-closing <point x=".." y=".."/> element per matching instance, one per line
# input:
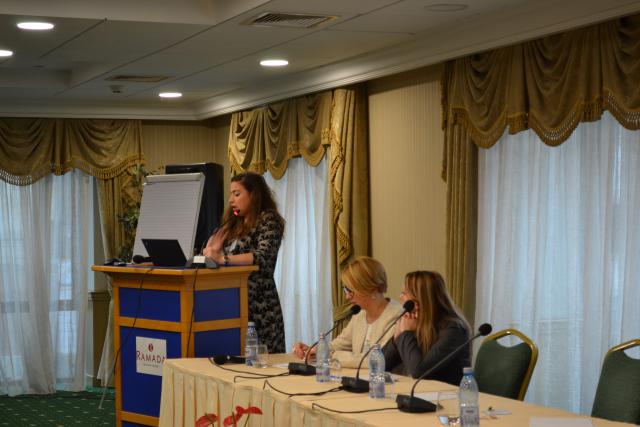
<point x="356" y="385"/>
<point x="139" y="259"/>
<point x="410" y="403"/>
<point x="201" y="261"/>
<point x="221" y="359"/>
<point x="306" y="369"/>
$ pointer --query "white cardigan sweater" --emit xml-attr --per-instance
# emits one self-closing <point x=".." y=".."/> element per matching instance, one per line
<point x="347" y="347"/>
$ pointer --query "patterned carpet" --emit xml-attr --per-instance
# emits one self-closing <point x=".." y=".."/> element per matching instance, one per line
<point x="60" y="409"/>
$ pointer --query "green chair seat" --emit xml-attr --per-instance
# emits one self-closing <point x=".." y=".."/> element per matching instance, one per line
<point x="618" y="393"/>
<point x="505" y="371"/>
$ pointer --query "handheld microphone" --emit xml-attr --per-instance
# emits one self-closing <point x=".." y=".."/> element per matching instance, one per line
<point x="410" y="403"/>
<point x="201" y="261"/>
<point x="221" y="359"/>
<point x="357" y="385"/>
<point x="306" y="369"/>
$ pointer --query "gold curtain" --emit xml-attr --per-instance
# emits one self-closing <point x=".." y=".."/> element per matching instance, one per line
<point x="349" y="187"/>
<point x="462" y="214"/>
<point x="267" y="137"/>
<point x="548" y="85"/>
<point x="33" y="148"/>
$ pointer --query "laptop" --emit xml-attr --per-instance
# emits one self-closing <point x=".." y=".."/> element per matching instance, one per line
<point x="165" y="252"/>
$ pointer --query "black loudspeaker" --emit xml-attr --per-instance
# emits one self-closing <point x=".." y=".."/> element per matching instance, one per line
<point x="212" y="195"/>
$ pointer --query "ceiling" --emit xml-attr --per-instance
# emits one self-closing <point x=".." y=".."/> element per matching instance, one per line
<point x="207" y="50"/>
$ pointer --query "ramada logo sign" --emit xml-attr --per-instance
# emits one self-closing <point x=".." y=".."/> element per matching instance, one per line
<point x="150" y="354"/>
<point x="149" y="357"/>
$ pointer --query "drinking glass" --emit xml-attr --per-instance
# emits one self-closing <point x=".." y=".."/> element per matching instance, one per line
<point x="448" y="410"/>
<point x="262" y="357"/>
<point x="390" y="386"/>
<point x="335" y="370"/>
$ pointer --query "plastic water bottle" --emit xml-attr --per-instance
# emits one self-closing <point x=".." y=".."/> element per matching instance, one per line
<point x="376" y="373"/>
<point x="468" y="396"/>
<point x="251" y="344"/>
<point x="322" y="360"/>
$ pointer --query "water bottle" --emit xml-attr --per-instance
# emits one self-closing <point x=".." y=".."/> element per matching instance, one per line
<point x="322" y="360"/>
<point x="251" y="344"/>
<point x="376" y="373"/>
<point x="468" y="397"/>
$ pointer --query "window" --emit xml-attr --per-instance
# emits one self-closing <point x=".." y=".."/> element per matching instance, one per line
<point x="558" y="244"/>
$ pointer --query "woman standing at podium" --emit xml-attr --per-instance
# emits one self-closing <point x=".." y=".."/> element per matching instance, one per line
<point x="251" y="235"/>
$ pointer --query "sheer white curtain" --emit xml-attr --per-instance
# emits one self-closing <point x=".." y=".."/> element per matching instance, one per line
<point x="45" y="251"/>
<point x="303" y="270"/>
<point x="559" y="251"/>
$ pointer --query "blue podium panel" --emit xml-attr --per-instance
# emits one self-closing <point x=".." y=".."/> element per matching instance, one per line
<point x="141" y="392"/>
<point x="130" y="424"/>
<point x="221" y="341"/>
<point x="150" y="304"/>
<point x="216" y="304"/>
<point x="152" y="323"/>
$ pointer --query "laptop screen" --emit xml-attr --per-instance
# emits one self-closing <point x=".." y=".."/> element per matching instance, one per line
<point x="165" y="252"/>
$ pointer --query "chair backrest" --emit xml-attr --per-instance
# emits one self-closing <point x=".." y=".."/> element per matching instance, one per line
<point x="618" y="393"/>
<point x="505" y="371"/>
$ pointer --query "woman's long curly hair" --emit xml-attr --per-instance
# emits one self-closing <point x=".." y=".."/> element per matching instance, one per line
<point x="262" y="201"/>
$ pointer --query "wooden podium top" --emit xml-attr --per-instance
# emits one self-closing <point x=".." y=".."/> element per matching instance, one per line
<point x="151" y="270"/>
<point x="184" y="278"/>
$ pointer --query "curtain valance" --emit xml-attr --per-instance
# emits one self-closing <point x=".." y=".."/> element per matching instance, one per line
<point x="33" y="148"/>
<point x="266" y="138"/>
<point x="549" y="85"/>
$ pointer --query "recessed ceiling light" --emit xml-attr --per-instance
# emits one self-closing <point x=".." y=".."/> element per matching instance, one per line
<point x="36" y="26"/>
<point x="4" y="53"/>
<point x="274" y="62"/>
<point x="446" y="7"/>
<point x="169" y="94"/>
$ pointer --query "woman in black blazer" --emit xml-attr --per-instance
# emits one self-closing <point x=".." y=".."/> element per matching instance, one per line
<point x="429" y="333"/>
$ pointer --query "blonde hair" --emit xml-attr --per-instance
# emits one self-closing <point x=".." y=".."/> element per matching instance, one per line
<point x="427" y="288"/>
<point x="365" y="275"/>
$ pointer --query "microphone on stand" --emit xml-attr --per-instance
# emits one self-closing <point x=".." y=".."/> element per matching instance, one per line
<point x="201" y="261"/>
<point x="410" y="403"/>
<point x="357" y="385"/>
<point x="306" y="369"/>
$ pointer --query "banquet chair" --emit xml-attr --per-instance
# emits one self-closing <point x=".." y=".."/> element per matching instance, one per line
<point x="505" y="371"/>
<point x="618" y="393"/>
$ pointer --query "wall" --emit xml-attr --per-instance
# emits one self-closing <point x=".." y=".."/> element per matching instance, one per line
<point x="407" y="193"/>
<point x="220" y="126"/>
<point x="176" y="142"/>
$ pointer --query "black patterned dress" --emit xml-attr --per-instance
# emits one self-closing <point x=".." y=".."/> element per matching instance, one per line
<point x="263" y="241"/>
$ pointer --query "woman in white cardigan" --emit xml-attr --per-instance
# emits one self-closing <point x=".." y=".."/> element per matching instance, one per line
<point x="365" y="282"/>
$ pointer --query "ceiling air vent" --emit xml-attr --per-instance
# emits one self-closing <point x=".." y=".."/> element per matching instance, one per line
<point x="290" y="20"/>
<point x="136" y="78"/>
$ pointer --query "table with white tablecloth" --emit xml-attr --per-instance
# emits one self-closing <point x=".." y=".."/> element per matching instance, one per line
<point x="192" y="388"/>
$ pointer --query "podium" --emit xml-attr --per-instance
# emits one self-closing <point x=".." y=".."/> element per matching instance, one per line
<point x="153" y="308"/>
